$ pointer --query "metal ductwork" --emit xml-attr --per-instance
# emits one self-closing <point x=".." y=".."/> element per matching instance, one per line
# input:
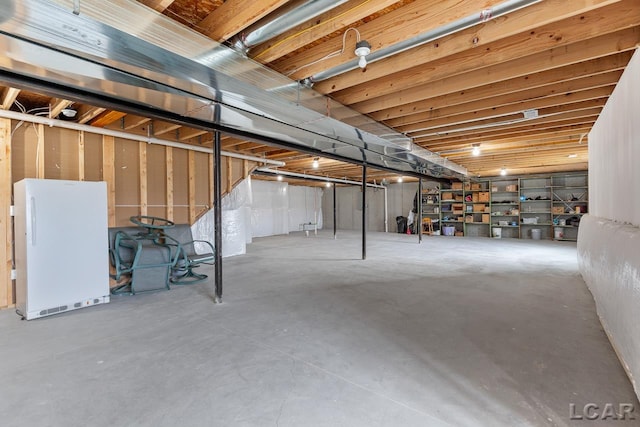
<point x="121" y="55"/>
<point x="281" y="21"/>
<point x="426" y="37"/>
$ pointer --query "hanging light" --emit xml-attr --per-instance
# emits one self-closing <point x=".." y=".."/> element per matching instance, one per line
<point x="503" y="171"/>
<point x="476" y="149"/>
<point x="279" y="177"/>
<point x="316" y="163"/>
<point x="328" y="184"/>
<point x="399" y="179"/>
<point x="363" y="48"/>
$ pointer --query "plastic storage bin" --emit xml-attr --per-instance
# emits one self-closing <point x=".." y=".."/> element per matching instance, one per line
<point x="536" y="233"/>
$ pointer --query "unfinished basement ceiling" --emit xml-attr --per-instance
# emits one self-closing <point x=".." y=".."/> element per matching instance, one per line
<point x="525" y="86"/>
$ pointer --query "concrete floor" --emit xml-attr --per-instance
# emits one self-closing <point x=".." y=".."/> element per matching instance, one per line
<point x="453" y="332"/>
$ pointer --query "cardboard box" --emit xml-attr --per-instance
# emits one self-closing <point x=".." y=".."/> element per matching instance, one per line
<point x="459" y="233"/>
<point x="483" y="196"/>
<point x="467" y="186"/>
<point x="468" y="218"/>
<point x="512" y="187"/>
<point x="456" y="186"/>
<point x="486" y="218"/>
<point x="474" y="197"/>
<point x="557" y="210"/>
<point x="447" y="196"/>
<point x="478" y="208"/>
<point x="476" y="186"/>
<point x="458" y="198"/>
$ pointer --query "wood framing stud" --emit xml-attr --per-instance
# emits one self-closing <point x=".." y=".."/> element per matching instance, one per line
<point x="6" y="284"/>
<point x="109" y="175"/>
<point x="192" y="186"/>
<point x="143" y="178"/>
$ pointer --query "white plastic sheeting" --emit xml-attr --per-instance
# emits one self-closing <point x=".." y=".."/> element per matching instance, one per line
<point x="305" y="206"/>
<point x="270" y="208"/>
<point x="609" y="238"/>
<point x="236" y="232"/>
<point x="609" y="262"/>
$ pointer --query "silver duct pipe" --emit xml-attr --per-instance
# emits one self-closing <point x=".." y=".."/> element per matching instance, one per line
<point x="13" y="115"/>
<point x="281" y="21"/>
<point x="427" y="37"/>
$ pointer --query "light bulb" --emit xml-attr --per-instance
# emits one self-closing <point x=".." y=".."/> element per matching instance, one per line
<point x="399" y="179"/>
<point x="362" y="62"/>
<point x="475" y="151"/>
<point x="328" y="184"/>
<point x="503" y="171"/>
<point x="279" y="177"/>
<point x="315" y="164"/>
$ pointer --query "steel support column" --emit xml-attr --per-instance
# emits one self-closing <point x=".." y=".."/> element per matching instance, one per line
<point x="217" y="214"/>
<point x="335" y="216"/>
<point x="419" y="210"/>
<point x="364" y="211"/>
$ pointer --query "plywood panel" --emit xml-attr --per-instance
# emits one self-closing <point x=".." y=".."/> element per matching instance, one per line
<point x="60" y="153"/>
<point x="180" y="186"/>
<point x="23" y="153"/>
<point x="202" y="183"/>
<point x="169" y="183"/>
<point x="142" y="165"/>
<point x="127" y="180"/>
<point x="156" y="180"/>
<point x="92" y="157"/>
<point x="109" y="175"/>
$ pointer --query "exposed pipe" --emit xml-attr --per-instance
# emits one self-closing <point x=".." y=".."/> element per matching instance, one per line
<point x="281" y="21"/>
<point x="14" y="115"/>
<point x="426" y="37"/>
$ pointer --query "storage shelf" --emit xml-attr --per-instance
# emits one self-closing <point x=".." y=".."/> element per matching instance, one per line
<point x="477" y="223"/>
<point x="504" y="226"/>
<point x="566" y="240"/>
<point x="534" y="212"/>
<point x="505" y="204"/>
<point x="533" y="225"/>
<point x="570" y="201"/>
<point x="536" y="201"/>
<point x="505" y="215"/>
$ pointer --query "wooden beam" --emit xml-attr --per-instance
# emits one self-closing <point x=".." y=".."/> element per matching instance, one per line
<point x="334" y="20"/>
<point x="234" y="15"/>
<point x="40" y="152"/>
<point x="107" y="117"/>
<point x="608" y="44"/>
<point x="160" y="128"/>
<point x="536" y="98"/>
<point x="192" y="186"/>
<point x="543" y="26"/>
<point x="87" y="113"/>
<point x="6" y="233"/>
<point x="142" y="157"/>
<point x="210" y="174"/>
<point x="229" y="174"/>
<point x="109" y="175"/>
<point x="81" y="156"/>
<point x="158" y="5"/>
<point x="169" y="182"/>
<point x="187" y="133"/>
<point x="9" y="96"/>
<point x="433" y="92"/>
<point x="509" y="112"/>
<point x="57" y="105"/>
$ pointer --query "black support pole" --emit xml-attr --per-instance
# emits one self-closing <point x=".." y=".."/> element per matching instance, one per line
<point x="217" y="214"/>
<point x="364" y="211"/>
<point x="419" y="210"/>
<point x="335" y="216"/>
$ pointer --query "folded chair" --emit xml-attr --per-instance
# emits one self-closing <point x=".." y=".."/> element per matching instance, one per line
<point x="187" y="257"/>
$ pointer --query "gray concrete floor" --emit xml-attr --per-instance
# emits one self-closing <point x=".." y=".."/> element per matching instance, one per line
<point x="453" y="332"/>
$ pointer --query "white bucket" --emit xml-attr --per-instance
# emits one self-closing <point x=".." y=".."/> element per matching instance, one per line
<point x="536" y="233"/>
<point x="558" y="233"/>
<point x="448" y="230"/>
<point x="496" y="232"/>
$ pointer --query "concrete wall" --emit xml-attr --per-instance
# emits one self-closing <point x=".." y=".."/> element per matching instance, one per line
<point x="609" y="238"/>
<point x="349" y="202"/>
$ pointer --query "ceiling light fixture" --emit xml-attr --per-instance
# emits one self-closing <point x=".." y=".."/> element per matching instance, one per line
<point x="476" y="149"/>
<point x="316" y="163"/>
<point x="399" y="179"/>
<point x="328" y="184"/>
<point x="363" y="48"/>
<point x="279" y="177"/>
<point x="68" y="112"/>
<point x="572" y="156"/>
<point x="503" y="171"/>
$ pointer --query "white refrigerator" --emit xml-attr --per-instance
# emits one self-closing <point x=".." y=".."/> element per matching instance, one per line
<point x="61" y="246"/>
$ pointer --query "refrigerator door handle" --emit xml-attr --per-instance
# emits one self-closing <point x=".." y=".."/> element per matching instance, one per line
<point x="33" y="221"/>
